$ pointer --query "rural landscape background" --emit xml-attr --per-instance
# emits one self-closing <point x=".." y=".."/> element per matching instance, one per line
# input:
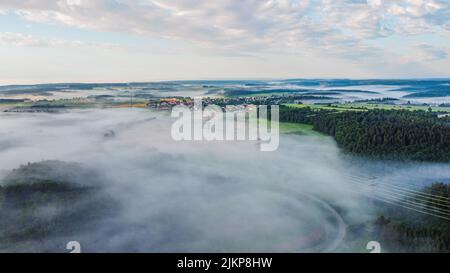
<point x="96" y="163"/>
<point x="86" y="151"/>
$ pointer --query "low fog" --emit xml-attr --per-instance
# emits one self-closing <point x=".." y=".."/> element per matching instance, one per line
<point x="197" y="196"/>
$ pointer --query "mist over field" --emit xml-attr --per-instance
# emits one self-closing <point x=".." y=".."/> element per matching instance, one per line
<point x="184" y="196"/>
<point x="357" y="94"/>
<point x="188" y="196"/>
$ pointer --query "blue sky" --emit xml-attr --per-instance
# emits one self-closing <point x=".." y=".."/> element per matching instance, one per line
<point x="146" y="40"/>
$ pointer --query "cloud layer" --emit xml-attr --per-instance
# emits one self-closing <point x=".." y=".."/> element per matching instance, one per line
<point x="187" y="196"/>
<point x="362" y="37"/>
<point x="246" y="25"/>
<point x="198" y="196"/>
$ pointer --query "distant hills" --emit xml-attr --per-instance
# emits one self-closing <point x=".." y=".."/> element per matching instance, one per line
<point x="348" y="88"/>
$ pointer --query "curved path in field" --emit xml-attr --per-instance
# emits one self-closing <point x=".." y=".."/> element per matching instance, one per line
<point x="330" y="232"/>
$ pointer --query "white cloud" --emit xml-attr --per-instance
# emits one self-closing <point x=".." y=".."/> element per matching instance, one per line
<point x="336" y="28"/>
<point x="423" y="53"/>
<point x="385" y="17"/>
<point x="26" y="40"/>
<point x="19" y="39"/>
<point x="242" y="24"/>
<point x="426" y="52"/>
<point x="214" y="17"/>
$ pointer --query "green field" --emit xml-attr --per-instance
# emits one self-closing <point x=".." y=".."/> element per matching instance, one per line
<point x="368" y="106"/>
<point x="335" y="107"/>
<point x="298" y="128"/>
<point x="257" y="94"/>
<point x="294" y="128"/>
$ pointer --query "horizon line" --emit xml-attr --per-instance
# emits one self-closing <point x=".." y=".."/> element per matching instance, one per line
<point x="226" y="79"/>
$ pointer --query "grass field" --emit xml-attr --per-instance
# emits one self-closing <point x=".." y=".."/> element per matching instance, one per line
<point x="294" y="128"/>
<point x="335" y="107"/>
<point x="297" y="128"/>
<point x="257" y="94"/>
<point x="367" y="106"/>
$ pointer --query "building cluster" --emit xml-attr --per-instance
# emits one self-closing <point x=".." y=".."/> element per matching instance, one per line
<point x="168" y="103"/>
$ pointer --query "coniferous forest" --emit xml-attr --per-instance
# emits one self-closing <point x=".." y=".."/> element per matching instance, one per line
<point x="396" y="135"/>
<point x="384" y="134"/>
<point x="403" y="230"/>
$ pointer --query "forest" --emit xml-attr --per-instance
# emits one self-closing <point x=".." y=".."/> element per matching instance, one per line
<point x="406" y="231"/>
<point x="384" y="134"/>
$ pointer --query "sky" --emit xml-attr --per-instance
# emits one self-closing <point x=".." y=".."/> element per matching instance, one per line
<point x="147" y="40"/>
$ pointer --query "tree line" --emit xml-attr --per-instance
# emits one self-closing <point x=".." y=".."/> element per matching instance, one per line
<point x="406" y="231"/>
<point x="386" y="134"/>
